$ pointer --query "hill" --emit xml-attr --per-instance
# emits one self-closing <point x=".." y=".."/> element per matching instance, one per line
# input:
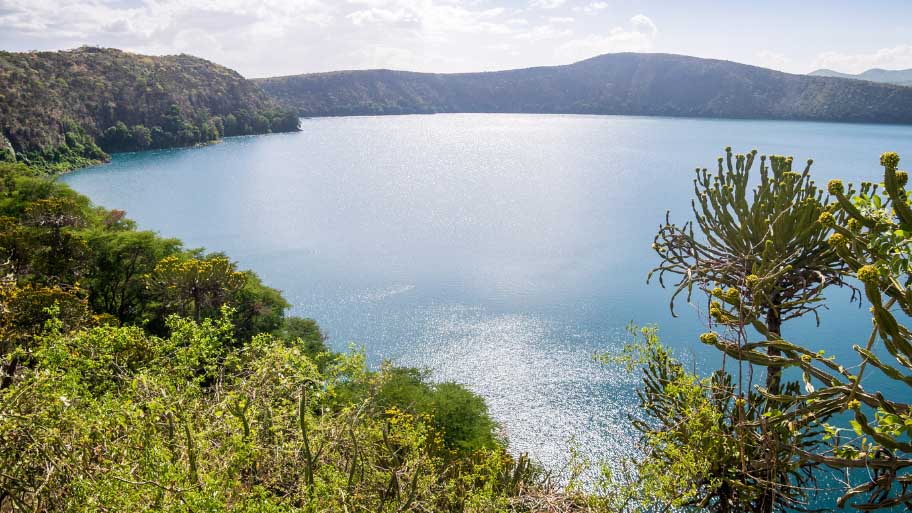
<point x="624" y="83"/>
<point x="901" y="77"/>
<point x="60" y="110"/>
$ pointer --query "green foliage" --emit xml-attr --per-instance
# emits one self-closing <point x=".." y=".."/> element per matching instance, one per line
<point x="189" y="423"/>
<point x="258" y="308"/>
<point x="119" y="260"/>
<point x="701" y="447"/>
<point x="75" y="149"/>
<point x="194" y="287"/>
<point x="54" y="246"/>
<point x="460" y="416"/>
<point x="761" y="251"/>
<point x="304" y="332"/>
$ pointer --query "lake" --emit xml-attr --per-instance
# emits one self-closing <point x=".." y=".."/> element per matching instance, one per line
<point x="499" y="251"/>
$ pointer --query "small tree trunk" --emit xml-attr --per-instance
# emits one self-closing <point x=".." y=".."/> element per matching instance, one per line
<point x="774" y="326"/>
<point x="9" y="372"/>
<point x="773" y="382"/>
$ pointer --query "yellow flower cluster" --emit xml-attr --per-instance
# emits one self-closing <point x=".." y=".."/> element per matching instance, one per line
<point x="709" y="338"/>
<point x="752" y="280"/>
<point x="868" y="274"/>
<point x="837" y="240"/>
<point x="835" y="187"/>
<point x="889" y="160"/>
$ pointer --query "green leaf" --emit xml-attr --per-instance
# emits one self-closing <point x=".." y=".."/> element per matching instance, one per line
<point x="856" y="426"/>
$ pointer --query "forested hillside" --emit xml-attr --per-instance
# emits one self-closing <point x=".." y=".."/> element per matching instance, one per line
<point x="65" y="109"/>
<point x="626" y="83"/>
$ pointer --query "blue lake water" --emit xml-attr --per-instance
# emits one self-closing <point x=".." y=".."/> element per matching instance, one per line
<point x="499" y="251"/>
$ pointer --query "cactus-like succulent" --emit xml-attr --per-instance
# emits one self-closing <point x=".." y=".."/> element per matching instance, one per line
<point x="889" y="160"/>
<point x="835" y="187"/>
<point x="709" y="338"/>
<point x="868" y="274"/>
<point x="764" y="230"/>
<point x="752" y="281"/>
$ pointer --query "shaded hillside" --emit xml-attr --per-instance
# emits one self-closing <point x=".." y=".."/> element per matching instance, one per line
<point x="55" y="106"/>
<point x="901" y="77"/>
<point x="625" y="83"/>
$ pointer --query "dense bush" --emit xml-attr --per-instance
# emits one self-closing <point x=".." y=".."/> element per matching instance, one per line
<point x="189" y="423"/>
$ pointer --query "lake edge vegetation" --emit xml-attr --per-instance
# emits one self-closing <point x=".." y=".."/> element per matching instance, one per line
<point x="69" y="109"/>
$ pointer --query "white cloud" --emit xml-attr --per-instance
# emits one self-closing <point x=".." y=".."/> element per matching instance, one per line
<point x="897" y="57"/>
<point x="639" y="35"/>
<point x="773" y="60"/>
<point x="518" y="22"/>
<point x="276" y="37"/>
<point x="544" y="33"/>
<point x="548" y="4"/>
<point x="378" y="15"/>
<point x="592" y="7"/>
<point x="385" y="57"/>
<point x="643" y="25"/>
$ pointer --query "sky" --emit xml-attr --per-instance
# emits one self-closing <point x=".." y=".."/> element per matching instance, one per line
<point x="261" y="38"/>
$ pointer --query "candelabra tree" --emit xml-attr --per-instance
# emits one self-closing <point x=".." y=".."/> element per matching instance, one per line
<point x="760" y="254"/>
<point x="756" y="249"/>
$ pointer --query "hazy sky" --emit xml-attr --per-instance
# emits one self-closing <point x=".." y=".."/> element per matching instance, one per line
<point x="279" y="37"/>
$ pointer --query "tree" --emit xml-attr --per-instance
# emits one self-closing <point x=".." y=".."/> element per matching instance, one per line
<point x="762" y="259"/>
<point x="258" y="308"/>
<point x="60" y="252"/>
<point x="117" y="138"/>
<point x="303" y="331"/>
<point x="26" y="312"/>
<point x="142" y="137"/>
<point x="119" y="261"/>
<point x="765" y="258"/>
<point x="194" y="287"/>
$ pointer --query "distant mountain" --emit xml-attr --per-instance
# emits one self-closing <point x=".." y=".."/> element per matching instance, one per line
<point x="901" y="77"/>
<point x="57" y="108"/>
<point x="623" y="83"/>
